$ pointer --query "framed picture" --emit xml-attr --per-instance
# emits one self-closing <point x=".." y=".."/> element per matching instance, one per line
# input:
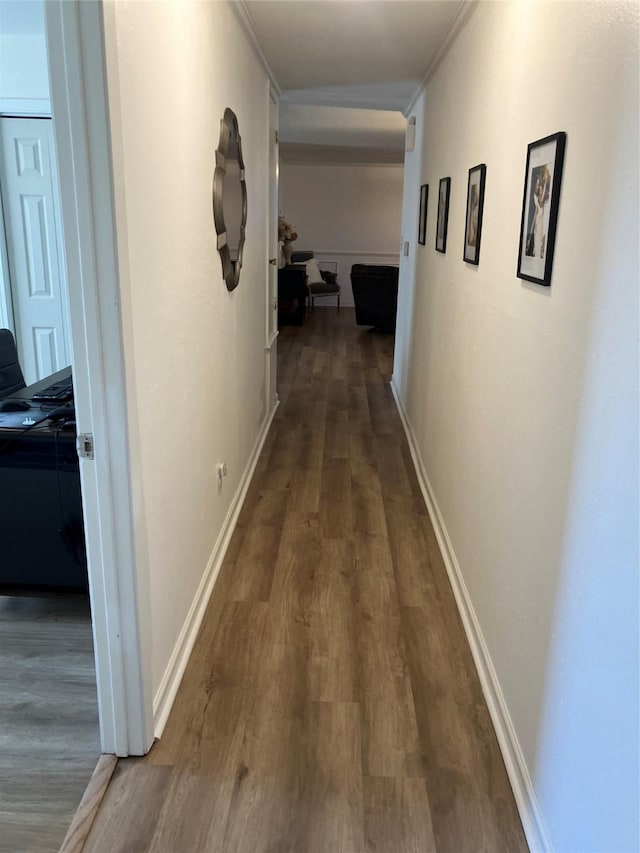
<point x="443" y="214"/>
<point x="542" y="179"/>
<point x="422" y="222"/>
<point x="475" y="205"/>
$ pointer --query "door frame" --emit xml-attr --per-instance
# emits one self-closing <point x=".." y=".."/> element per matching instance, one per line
<point x="272" y="247"/>
<point x="116" y="546"/>
<point x="6" y="297"/>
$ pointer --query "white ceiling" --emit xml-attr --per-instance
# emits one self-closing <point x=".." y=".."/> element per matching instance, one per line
<point x="355" y="53"/>
<point x="346" y="69"/>
<point x="340" y="134"/>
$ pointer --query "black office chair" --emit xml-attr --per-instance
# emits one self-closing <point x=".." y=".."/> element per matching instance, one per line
<point x="11" y="378"/>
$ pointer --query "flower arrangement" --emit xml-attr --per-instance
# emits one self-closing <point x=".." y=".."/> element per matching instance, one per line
<point x="286" y="231"/>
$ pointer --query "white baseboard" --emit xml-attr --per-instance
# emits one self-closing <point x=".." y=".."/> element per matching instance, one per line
<point x="517" y="770"/>
<point x="164" y="698"/>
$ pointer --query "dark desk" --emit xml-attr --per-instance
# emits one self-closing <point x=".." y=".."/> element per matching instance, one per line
<point x="41" y="525"/>
<point x="28" y="392"/>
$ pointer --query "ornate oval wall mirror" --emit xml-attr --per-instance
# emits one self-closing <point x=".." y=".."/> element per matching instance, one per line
<point x="230" y="199"/>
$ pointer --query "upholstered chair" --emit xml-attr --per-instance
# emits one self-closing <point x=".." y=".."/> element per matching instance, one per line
<point x="375" y="295"/>
<point x="327" y="287"/>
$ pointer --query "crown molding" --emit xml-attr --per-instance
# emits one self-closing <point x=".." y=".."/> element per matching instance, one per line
<point x="349" y="99"/>
<point x="293" y="164"/>
<point x="306" y="154"/>
<point x="241" y="14"/>
<point x="466" y="11"/>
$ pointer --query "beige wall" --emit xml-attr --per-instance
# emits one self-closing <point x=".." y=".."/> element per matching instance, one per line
<point x="524" y="400"/>
<point x="347" y="214"/>
<point x="195" y="352"/>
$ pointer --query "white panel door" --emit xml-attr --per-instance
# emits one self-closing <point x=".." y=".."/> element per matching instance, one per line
<point x="30" y="200"/>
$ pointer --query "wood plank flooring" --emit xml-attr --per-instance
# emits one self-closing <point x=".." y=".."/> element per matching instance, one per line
<point x="49" y="738"/>
<point x="331" y="704"/>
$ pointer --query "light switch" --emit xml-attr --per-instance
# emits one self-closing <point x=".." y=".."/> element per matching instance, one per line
<point x="411" y="134"/>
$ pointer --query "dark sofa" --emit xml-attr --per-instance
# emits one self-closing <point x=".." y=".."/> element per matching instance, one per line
<point x="375" y="295"/>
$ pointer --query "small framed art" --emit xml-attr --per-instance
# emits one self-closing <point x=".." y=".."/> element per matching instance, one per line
<point x="422" y="222"/>
<point x="444" y="191"/>
<point x="542" y="179"/>
<point x="475" y="206"/>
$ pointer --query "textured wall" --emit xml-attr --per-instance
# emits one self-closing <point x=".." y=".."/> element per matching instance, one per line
<point x="524" y="400"/>
<point x="197" y="350"/>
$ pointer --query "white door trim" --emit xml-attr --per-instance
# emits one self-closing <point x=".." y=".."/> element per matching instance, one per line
<point x="116" y="548"/>
<point x="6" y="304"/>
<point x="272" y="247"/>
<point x="25" y="107"/>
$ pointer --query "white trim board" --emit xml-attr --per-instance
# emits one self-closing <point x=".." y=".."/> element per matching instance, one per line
<point x="361" y="254"/>
<point x="25" y="107"/>
<point x="166" y="694"/>
<point x="6" y="301"/>
<point x="517" y="770"/>
<point x="342" y="163"/>
<point x="115" y="550"/>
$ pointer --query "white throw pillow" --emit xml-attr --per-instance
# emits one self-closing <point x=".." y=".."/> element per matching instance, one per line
<point x="313" y="271"/>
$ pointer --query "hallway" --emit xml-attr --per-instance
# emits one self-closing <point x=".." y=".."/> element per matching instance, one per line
<point x="330" y="704"/>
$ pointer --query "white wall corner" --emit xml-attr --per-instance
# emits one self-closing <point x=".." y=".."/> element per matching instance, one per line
<point x="241" y="14"/>
<point x="168" y="689"/>
<point x="467" y="9"/>
<point x="512" y="754"/>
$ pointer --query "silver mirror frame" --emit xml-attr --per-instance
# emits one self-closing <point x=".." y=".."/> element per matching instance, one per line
<point x="228" y="131"/>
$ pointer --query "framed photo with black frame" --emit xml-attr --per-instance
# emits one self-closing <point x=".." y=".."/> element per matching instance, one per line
<point x="444" y="191"/>
<point x="475" y="206"/>
<point x="422" y="221"/>
<point x="542" y="180"/>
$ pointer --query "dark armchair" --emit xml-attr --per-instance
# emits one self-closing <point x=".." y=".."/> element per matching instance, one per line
<point x="292" y="295"/>
<point x="375" y="295"/>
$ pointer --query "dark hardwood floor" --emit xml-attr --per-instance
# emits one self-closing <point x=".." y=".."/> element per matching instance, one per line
<point x="49" y="737"/>
<point x="331" y="704"/>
